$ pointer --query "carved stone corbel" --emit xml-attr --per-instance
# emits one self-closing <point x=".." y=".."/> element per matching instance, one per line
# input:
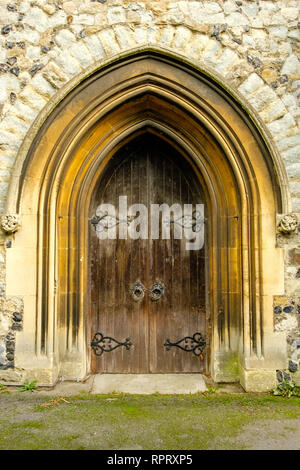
<point x="10" y="223"/>
<point x="288" y="224"/>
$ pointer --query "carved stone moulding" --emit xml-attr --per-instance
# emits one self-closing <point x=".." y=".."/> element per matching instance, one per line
<point x="288" y="224"/>
<point x="10" y="223"/>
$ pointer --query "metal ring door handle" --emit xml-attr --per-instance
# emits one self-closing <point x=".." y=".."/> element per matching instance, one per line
<point x="138" y="291"/>
<point x="157" y="290"/>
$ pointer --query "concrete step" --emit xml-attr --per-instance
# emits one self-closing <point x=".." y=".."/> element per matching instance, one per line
<point x="148" y="383"/>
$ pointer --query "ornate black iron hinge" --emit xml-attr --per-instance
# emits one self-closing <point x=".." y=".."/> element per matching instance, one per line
<point x="194" y="221"/>
<point x="194" y="344"/>
<point x="104" y="221"/>
<point x="101" y="344"/>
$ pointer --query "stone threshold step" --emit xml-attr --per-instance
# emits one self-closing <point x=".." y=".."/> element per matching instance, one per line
<point x="146" y="384"/>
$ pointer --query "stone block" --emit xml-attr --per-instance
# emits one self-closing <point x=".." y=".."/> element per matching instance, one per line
<point x="291" y="155"/>
<point x="227" y="59"/>
<point x="2" y="352"/>
<point x="6" y="161"/>
<point x="42" y="86"/>
<point x="84" y="19"/>
<point x="296" y="204"/>
<point x="290" y="13"/>
<point x="37" y="19"/>
<point x="289" y="142"/>
<point x="9" y="139"/>
<point x="293" y="169"/>
<point x="3" y="189"/>
<point x="278" y="32"/>
<point x="54" y="75"/>
<point x="250" y="9"/>
<point x="11" y="377"/>
<point x="116" y="15"/>
<point x="295" y="187"/>
<point x="279" y="127"/>
<point x="30" y="97"/>
<point x="68" y="65"/>
<point x="65" y="38"/>
<point x="58" y="19"/>
<point x="251" y="84"/>
<point x="149" y="383"/>
<point x="260" y="380"/>
<point x="286" y="322"/>
<point x="263" y="98"/>
<point x="294" y="256"/>
<point x="4" y="324"/>
<point x="125" y="36"/>
<point x="182" y="37"/>
<point x="15" y="124"/>
<point x="211" y="53"/>
<point x="167" y="35"/>
<point x="95" y="47"/>
<point x="81" y="54"/>
<point x="291" y="66"/>
<point x="109" y="43"/>
<point x="141" y="35"/>
<point x="236" y="19"/>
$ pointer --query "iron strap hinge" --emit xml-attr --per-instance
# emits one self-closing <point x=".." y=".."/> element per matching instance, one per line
<point x="101" y="344"/>
<point x="194" y="344"/>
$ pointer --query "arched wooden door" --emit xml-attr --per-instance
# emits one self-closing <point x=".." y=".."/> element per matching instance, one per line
<point x="149" y="289"/>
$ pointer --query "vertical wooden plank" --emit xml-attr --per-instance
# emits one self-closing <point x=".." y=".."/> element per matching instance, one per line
<point x="156" y="267"/>
<point x="181" y="311"/>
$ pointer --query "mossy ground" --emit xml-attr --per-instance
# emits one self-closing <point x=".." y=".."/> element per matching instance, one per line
<point x="201" y="421"/>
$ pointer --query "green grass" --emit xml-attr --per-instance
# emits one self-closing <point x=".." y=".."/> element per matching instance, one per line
<point x="200" y="421"/>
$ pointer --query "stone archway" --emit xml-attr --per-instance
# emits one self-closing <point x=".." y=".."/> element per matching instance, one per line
<point x="188" y="109"/>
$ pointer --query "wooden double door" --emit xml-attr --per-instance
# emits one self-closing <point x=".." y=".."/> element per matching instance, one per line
<point x="148" y="295"/>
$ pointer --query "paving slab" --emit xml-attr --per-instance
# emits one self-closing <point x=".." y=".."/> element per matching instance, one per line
<point x="148" y="383"/>
<point x="67" y="388"/>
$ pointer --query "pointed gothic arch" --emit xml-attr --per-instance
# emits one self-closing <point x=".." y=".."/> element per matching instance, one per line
<point x="148" y="92"/>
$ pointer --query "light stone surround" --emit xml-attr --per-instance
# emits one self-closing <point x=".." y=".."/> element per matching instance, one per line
<point x="51" y="46"/>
